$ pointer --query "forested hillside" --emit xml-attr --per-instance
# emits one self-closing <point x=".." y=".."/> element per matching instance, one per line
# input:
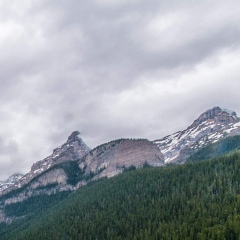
<point x="191" y="201"/>
<point x="217" y="149"/>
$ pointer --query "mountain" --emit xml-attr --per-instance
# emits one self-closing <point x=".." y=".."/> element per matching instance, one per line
<point x="74" y="148"/>
<point x="197" y="200"/>
<point x="10" y="181"/>
<point x="209" y="127"/>
<point x="74" y="164"/>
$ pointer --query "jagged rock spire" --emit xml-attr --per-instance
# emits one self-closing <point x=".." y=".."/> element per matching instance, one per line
<point x="74" y="136"/>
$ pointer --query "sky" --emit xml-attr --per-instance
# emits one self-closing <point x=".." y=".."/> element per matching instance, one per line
<point x="110" y="69"/>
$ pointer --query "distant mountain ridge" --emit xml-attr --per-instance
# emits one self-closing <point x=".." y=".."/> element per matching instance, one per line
<point x="209" y="127"/>
<point x="74" y="148"/>
<point x="10" y="181"/>
<point x="74" y="164"/>
<point x="70" y="171"/>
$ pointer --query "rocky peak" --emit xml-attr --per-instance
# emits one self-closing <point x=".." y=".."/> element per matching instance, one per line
<point x="74" y="144"/>
<point x="10" y="181"/>
<point x="15" y="177"/>
<point x="211" y="126"/>
<point x="73" y="137"/>
<point x="216" y="115"/>
<point x="73" y="149"/>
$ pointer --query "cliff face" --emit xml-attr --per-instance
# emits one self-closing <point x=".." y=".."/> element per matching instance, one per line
<point x="111" y="158"/>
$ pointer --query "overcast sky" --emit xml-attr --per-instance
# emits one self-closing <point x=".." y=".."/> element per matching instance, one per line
<point x="110" y="69"/>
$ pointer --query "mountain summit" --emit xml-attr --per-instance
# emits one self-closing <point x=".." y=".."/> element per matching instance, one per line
<point x="209" y="127"/>
<point x="73" y="149"/>
<point x="218" y="116"/>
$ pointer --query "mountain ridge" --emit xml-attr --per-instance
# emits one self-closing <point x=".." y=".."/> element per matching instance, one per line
<point x="110" y="159"/>
<point x="10" y="181"/>
<point x="190" y="201"/>
<point x="73" y="149"/>
<point x="74" y="165"/>
<point x="211" y="126"/>
<point x="106" y="160"/>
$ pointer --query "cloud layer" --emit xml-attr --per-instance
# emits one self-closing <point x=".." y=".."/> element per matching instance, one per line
<point x="110" y="69"/>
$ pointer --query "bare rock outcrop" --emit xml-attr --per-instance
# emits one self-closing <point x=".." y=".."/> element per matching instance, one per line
<point x="111" y="158"/>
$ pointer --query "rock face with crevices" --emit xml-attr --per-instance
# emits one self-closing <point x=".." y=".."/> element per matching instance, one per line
<point x="36" y="187"/>
<point x="111" y="158"/>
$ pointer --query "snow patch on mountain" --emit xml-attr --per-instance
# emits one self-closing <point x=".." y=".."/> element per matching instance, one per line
<point x="210" y="127"/>
<point x="10" y="181"/>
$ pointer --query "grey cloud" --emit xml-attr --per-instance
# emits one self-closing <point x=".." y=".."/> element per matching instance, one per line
<point x="9" y="147"/>
<point x="9" y="155"/>
<point x="111" y="69"/>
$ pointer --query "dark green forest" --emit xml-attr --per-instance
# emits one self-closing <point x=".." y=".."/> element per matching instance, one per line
<point x="197" y="200"/>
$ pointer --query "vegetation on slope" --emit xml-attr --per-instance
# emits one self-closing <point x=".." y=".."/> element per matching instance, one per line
<point x="217" y="149"/>
<point x="192" y="201"/>
<point x="27" y="211"/>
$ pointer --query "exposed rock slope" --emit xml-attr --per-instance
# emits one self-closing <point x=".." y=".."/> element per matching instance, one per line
<point x="111" y="158"/>
<point x="209" y="127"/>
